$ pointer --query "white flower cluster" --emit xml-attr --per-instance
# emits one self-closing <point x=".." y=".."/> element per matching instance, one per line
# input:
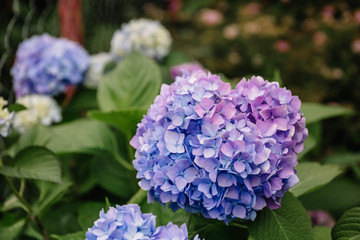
<point x="146" y="36"/>
<point x="96" y="69"/>
<point x="6" y="118"/>
<point x="39" y="109"/>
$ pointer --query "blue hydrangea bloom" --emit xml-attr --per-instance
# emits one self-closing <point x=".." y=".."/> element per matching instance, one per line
<point x="225" y="153"/>
<point x="47" y="65"/>
<point x="127" y="222"/>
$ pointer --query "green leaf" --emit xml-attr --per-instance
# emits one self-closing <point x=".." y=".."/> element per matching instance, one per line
<point x="312" y="175"/>
<point x="348" y="226"/>
<point x="39" y="135"/>
<point x="314" y="112"/>
<point x="88" y="213"/>
<point x="71" y="236"/>
<point x="337" y="196"/>
<point x="289" y="222"/>
<point x="134" y="82"/>
<point x="125" y="120"/>
<point x="309" y="144"/>
<point x="113" y="177"/>
<point x="79" y="136"/>
<point x="50" y="193"/>
<point x="34" y="163"/>
<point x="16" y="107"/>
<point x="12" y="231"/>
<point x="343" y="158"/>
<point x="82" y="136"/>
<point x="322" y="233"/>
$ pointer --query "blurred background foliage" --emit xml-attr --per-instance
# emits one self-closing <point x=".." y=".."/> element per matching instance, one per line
<point x="313" y="46"/>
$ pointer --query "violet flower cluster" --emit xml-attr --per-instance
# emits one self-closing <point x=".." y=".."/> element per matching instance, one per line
<point x="47" y="65"/>
<point x="127" y="222"/>
<point x="225" y="153"/>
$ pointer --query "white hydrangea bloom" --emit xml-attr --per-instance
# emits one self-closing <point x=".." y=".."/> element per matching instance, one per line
<point x="40" y="109"/>
<point x="146" y="36"/>
<point x="6" y="118"/>
<point x="96" y="69"/>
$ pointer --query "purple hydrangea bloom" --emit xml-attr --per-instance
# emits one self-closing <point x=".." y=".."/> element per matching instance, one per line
<point x="225" y="153"/>
<point x="127" y="222"/>
<point x="190" y="67"/>
<point x="47" y="65"/>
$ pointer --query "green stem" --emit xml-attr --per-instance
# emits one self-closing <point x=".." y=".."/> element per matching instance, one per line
<point x="239" y="225"/>
<point x="123" y="162"/>
<point x="138" y="197"/>
<point x="25" y="204"/>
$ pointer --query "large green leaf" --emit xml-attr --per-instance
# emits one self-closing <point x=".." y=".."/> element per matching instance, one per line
<point x="343" y="158"/>
<point x="314" y="112"/>
<point x="82" y="136"/>
<point x="71" y="236"/>
<point x="39" y="135"/>
<point x="10" y="226"/>
<point x="348" y="226"/>
<point x="34" y="163"/>
<point x="337" y="196"/>
<point x="113" y="177"/>
<point x="289" y="222"/>
<point x="125" y="120"/>
<point x="312" y="175"/>
<point x="88" y="213"/>
<point x="79" y="136"/>
<point x="322" y="233"/>
<point x="134" y="82"/>
<point x="11" y="232"/>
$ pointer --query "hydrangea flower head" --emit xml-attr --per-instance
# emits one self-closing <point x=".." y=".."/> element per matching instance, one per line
<point x="96" y="69"/>
<point x="47" y="65"/>
<point x="129" y="223"/>
<point x="6" y="118"/>
<point x="146" y="36"/>
<point x="225" y="153"/>
<point x="39" y="109"/>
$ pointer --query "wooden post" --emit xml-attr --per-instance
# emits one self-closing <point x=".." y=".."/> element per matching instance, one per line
<point x="71" y="20"/>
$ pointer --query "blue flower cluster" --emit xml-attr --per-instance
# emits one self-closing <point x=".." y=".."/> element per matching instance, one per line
<point x="47" y="65"/>
<point x="127" y="222"/>
<point x="225" y="153"/>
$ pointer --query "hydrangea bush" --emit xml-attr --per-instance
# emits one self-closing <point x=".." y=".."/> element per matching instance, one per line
<point x="129" y="223"/>
<point x="146" y="36"/>
<point x="203" y="149"/>
<point x="225" y="153"/>
<point x="47" y="65"/>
